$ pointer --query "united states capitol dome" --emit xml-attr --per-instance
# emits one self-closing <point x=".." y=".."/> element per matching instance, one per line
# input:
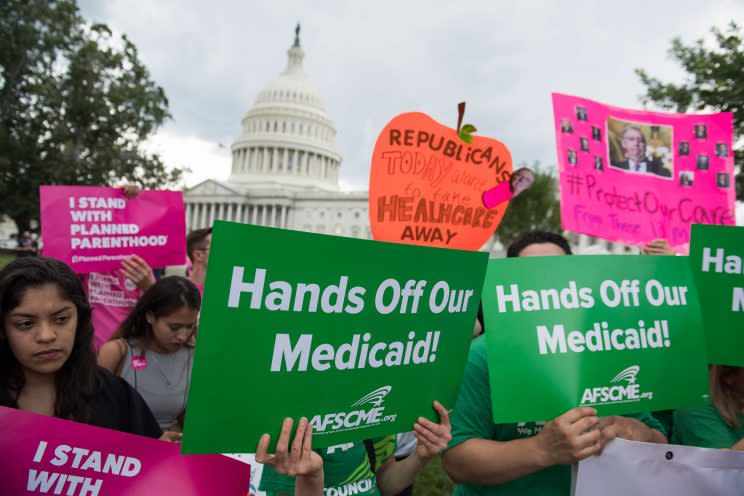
<point x="288" y="138"/>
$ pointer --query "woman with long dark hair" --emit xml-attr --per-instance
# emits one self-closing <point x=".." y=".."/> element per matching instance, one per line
<point x="150" y="349"/>
<point x="47" y="363"/>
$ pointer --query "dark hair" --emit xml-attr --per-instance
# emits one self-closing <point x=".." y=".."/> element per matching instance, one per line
<point x="723" y="396"/>
<point x="162" y="298"/>
<point x="77" y="380"/>
<point x="479" y="318"/>
<point x="537" y="237"/>
<point x="194" y="239"/>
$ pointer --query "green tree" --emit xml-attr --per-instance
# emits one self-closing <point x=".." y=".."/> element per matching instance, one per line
<point x="76" y="105"/>
<point x="714" y="83"/>
<point x="536" y="208"/>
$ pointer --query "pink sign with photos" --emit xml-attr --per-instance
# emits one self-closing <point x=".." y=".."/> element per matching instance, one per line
<point x="632" y="176"/>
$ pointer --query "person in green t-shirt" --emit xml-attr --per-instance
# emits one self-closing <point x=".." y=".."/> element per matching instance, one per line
<point x="365" y="468"/>
<point x="484" y="458"/>
<point x="720" y="425"/>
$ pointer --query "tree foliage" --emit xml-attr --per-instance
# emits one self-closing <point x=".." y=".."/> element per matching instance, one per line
<point x="714" y="83"/>
<point x="76" y="105"/>
<point x="536" y="208"/>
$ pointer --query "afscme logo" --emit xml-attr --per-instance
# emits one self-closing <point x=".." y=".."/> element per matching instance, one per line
<point x="376" y="397"/>
<point x="617" y="393"/>
<point x="628" y="374"/>
<point x="355" y="419"/>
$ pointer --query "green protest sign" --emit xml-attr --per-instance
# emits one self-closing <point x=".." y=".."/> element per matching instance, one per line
<point x="619" y="333"/>
<point x="716" y="257"/>
<point x="358" y="336"/>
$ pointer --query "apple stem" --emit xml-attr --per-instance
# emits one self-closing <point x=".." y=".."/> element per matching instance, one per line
<point x="460" y="114"/>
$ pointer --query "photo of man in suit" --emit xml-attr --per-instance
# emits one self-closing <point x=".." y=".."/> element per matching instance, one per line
<point x="701" y="131"/>
<point x="684" y="148"/>
<point x="580" y="113"/>
<point x="723" y="180"/>
<point x="571" y="157"/>
<point x="633" y="144"/>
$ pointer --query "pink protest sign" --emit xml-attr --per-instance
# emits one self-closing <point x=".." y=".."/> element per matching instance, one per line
<point x="92" y="229"/>
<point x="46" y="455"/>
<point x="631" y="176"/>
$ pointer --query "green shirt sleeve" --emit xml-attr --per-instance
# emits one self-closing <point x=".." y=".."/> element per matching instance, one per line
<point x="273" y="483"/>
<point x="704" y="427"/>
<point x="384" y="449"/>
<point x="472" y="416"/>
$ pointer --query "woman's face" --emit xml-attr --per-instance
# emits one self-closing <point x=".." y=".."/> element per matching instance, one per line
<point x="173" y="330"/>
<point x="41" y="330"/>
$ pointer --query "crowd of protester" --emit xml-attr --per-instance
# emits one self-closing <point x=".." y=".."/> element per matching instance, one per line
<point x="126" y="365"/>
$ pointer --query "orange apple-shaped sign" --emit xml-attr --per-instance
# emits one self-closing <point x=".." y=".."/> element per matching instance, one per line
<point x="426" y="184"/>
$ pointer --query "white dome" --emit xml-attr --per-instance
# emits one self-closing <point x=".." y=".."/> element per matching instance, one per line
<point x="292" y="87"/>
<point x="287" y="139"/>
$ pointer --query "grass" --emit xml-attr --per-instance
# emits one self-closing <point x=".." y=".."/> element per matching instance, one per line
<point x="6" y="258"/>
<point x="433" y="481"/>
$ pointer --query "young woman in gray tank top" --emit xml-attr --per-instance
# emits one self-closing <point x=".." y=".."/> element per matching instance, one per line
<point x="151" y="351"/>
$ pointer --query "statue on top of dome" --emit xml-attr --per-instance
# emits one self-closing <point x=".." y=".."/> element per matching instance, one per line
<point x="297" y="35"/>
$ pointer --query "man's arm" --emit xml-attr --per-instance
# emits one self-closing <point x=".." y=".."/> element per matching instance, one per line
<point x="567" y="439"/>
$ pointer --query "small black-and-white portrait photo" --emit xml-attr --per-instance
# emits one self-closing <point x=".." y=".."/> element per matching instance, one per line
<point x="596" y="133"/>
<point x="580" y="113"/>
<point x="572" y="157"/>
<point x="701" y="131"/>
<point x="721" y="150"/>
<point x="703" y="162"/>
<point x="584" y="144"/>
<point x="566" y="126"/>
<point x="723" y="179"/>
<point x="684" y="148"/>
<point x="598" y="163"/>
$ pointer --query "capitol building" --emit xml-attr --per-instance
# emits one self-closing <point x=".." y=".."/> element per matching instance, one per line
<point x="285" y="166"/>
<point x="285" y="170"/>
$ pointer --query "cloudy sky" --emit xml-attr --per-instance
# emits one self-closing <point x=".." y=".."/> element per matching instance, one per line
<point x="374" y="60"/>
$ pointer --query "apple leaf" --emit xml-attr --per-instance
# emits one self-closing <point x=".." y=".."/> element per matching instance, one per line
<point x="466" y="132"/>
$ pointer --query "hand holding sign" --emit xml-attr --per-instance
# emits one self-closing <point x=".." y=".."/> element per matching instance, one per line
<point x="299" y="460"/>
<point x="570" y="437"/>
<point x="505" y="191"/>
<point x="657" y="247"/>
<point x="615" y="426"/>
<point x="136" y="270"/>
<point x="432" y="438"/>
